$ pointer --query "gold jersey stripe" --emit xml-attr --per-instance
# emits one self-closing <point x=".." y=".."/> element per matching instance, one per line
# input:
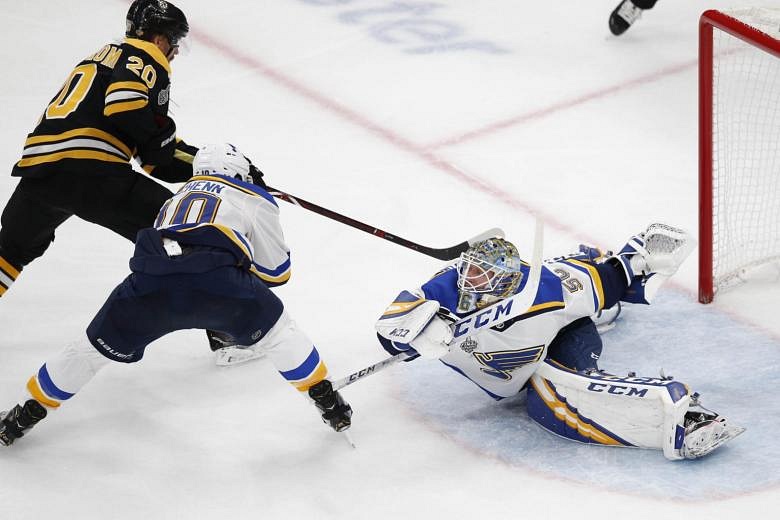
<point x="596" y="281"/>
<point x="70" y="154"/>
<point x="3" y="289"/>
<point x="183" y="156"/>
<point x="225" y="181"/>
<point x="127" y="85"/>
<point x="8" y="268"/>
<point x="272" y="279"/>
<point x="80" y="132"/>
<point x="152" y="50"/>
<point x="125" y="106"/>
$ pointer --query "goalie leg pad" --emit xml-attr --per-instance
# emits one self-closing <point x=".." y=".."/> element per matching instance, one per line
<point x="609" y="410"/>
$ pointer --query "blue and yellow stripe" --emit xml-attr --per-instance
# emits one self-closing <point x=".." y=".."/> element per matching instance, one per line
<point x="404" y="303"/>
<point x="43" y="389"/>
<point x="308" y="373"/>
<point x="595" y="280"/>
<point x="568" y="415"/>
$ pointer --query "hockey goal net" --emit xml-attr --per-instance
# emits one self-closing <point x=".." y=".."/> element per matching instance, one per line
<point x="739" y="145"/>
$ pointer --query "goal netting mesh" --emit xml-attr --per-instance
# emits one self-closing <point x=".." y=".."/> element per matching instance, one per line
<point x="746" y="149"/>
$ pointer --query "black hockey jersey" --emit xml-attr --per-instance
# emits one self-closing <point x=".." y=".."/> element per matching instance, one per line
<point x="112" y="106"/>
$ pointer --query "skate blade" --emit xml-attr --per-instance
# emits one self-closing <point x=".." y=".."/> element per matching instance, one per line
<point x="232" y="356"/>
<point x="728" y="433"/>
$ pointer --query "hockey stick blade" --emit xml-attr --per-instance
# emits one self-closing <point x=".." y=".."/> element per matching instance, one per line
<point x="446" y="253"/>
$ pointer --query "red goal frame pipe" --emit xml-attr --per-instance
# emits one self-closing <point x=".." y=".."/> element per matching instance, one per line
<point x="709" y="20"/>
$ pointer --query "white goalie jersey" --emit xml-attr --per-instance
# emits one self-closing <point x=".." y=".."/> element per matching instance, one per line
<point x="232" y="214"/>
<point x="501" y="359"/>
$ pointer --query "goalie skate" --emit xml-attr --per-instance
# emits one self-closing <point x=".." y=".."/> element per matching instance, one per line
<point x="705" y="433"/>
<point x="237" y="355"/>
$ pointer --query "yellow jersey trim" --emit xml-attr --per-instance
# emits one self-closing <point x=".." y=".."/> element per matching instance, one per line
<point x="595" y="280"/>
<point x="71" y="154"/>
<point x="127" y="85"/>
<point x="8" y="268"/>
<point x="126" y="106"/>
<point x="80" y="132"/>
<point x="152" y="50"/>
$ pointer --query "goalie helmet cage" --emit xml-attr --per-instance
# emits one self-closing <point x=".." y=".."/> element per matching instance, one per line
<point x="739" y="144"/>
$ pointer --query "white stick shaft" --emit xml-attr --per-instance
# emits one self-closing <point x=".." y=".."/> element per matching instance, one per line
<point x="372" y="369"/>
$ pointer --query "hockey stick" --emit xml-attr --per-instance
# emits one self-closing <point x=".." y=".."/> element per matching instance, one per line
<point x="371" y="369"/>
<point x="446" y="253"/>
<point x="491" y="316"/>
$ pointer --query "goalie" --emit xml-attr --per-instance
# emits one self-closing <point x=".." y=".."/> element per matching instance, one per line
<point x="552" y="350"/>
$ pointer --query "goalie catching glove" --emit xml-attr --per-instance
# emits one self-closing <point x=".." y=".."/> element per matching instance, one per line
<point x="411" y="323"/>
<point x="650" y="258"/>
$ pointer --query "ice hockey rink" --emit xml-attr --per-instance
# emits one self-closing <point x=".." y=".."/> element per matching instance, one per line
<point x="434" y="121"/>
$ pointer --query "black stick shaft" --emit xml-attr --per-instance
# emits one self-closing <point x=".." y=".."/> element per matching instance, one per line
<point x="447" y="253"/>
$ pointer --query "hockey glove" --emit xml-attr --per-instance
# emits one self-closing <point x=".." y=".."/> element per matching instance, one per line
<point x="159" y="149"/>
<point x="333" y="409"/>
<point x="433" y="341"/>
<point x="256" y="175"/>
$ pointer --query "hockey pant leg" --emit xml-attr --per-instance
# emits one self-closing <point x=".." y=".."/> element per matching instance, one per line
<point x="61" y="376"/>
<point x="599" y="408"/>
<point x="577" y="346"/>
<point x="28" y="226"/>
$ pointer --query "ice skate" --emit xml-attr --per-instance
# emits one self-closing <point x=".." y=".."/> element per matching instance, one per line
<point x="237" y="355"/>
<point x="624" y="15"/>
<point x="705" y="431"/>
<point x="19" y="419"/>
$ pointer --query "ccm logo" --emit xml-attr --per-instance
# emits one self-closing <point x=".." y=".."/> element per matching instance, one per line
<point x="629" y="391"/>
<point x="482" y="319"/>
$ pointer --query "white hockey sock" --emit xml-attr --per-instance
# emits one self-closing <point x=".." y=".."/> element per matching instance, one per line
<point x="66" y="373"/>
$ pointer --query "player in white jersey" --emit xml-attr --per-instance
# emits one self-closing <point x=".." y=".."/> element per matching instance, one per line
<point x="216" y="248"/>
<point x="553" y="348"/>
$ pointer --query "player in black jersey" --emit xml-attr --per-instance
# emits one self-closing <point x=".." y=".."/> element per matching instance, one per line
<point x="113" y="107"/>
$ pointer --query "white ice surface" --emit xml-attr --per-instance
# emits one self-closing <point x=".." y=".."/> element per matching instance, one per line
<point x="524" y="108"/>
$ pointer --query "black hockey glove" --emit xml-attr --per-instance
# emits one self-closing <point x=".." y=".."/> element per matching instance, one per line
<point x="159" y="149"/>
<point x="256" y="175"/>
<point x="333" y="409"/>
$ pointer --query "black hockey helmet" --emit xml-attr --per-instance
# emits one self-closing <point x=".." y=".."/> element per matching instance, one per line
<point x="156" y="17"/>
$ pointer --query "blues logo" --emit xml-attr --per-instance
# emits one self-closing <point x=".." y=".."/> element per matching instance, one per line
<point x="501" y="364"/>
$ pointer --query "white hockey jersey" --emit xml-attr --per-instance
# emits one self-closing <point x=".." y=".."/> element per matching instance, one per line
<point x="226" y="212"/>
<point x="500" y="360"/>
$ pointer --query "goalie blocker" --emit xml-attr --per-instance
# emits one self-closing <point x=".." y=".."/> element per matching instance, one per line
<point x="640" y="412"/>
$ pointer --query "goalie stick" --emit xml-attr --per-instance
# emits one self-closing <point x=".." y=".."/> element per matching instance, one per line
<point x="490" y="316"/>
<point x="445" y="253"/>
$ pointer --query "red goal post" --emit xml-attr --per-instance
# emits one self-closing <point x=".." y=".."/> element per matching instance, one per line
<point x="739" y="145"/>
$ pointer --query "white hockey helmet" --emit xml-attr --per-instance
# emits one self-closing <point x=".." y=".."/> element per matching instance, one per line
<point x="490" y="267"/>
<point x="222" y="159"/>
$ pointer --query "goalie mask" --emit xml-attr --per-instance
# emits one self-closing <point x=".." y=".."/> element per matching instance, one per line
<point x="487" y="272"/>
<point x="222" y="159"/>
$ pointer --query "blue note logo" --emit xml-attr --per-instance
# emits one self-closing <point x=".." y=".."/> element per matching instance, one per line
<point x="501" y="364"/>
